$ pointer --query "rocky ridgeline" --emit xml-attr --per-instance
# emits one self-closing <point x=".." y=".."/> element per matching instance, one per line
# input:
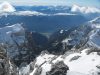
<point x="23" y="53"/>
<point x="7" y="67"/>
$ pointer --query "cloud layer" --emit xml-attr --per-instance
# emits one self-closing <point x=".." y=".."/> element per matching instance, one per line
<point x="95" y="3"/>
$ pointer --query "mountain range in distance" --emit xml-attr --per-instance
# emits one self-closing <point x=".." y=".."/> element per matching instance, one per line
<point x="46" y="19"/>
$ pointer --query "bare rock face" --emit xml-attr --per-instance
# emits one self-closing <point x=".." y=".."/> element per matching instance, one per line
<point x="38" y="71"/>
<point x="6" y="66"/>
<point x="98" y="67"/>
<point x="2" y="70"/>
<point x="58" y="69"/>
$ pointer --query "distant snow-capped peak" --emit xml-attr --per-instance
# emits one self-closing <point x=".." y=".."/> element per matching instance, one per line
<point x="84" y="10"/>
<point x="6" y="7"/>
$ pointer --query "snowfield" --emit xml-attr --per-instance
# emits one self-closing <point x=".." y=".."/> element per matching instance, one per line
<point x="86" y="64"/>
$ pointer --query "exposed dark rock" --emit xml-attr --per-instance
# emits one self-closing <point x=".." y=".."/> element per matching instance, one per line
<point x="38" y="71"/>
<point x="58" y="69"/>
<point x="55" y="45"/>
<point x="74" y="58"/>
<point x="6" y="66"/>
<point x="98" y="53"/>
<point x="98" y="67"/>
<point x="93" y="49"/>
<point x="31" y="47"/>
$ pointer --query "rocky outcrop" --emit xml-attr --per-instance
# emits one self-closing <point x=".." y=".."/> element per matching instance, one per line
<point x="20" y="44"/>
<point x="58" y="69"/>
<point x="6" y="66"/>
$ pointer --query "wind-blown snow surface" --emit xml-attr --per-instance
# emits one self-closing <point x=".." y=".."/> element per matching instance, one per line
<point x="86" y="64"/>
<point x="6" y="7"/>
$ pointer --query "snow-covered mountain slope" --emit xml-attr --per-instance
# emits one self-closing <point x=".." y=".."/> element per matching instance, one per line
<point x="85" y="35"/>
<point x="94" y="36"/>
<point x="84" y="10"/>
<point x="78" y="63"/>
<point x="6" y="7"/>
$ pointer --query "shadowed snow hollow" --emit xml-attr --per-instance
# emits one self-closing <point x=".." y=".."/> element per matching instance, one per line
<point x="7" y="7"/>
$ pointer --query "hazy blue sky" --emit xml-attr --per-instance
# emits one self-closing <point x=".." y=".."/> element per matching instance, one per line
<point x="55" y="2"/>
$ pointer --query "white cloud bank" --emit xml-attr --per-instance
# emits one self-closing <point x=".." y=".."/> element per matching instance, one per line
<point x="86" y="10"/>
<point x="6" y="7"/>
